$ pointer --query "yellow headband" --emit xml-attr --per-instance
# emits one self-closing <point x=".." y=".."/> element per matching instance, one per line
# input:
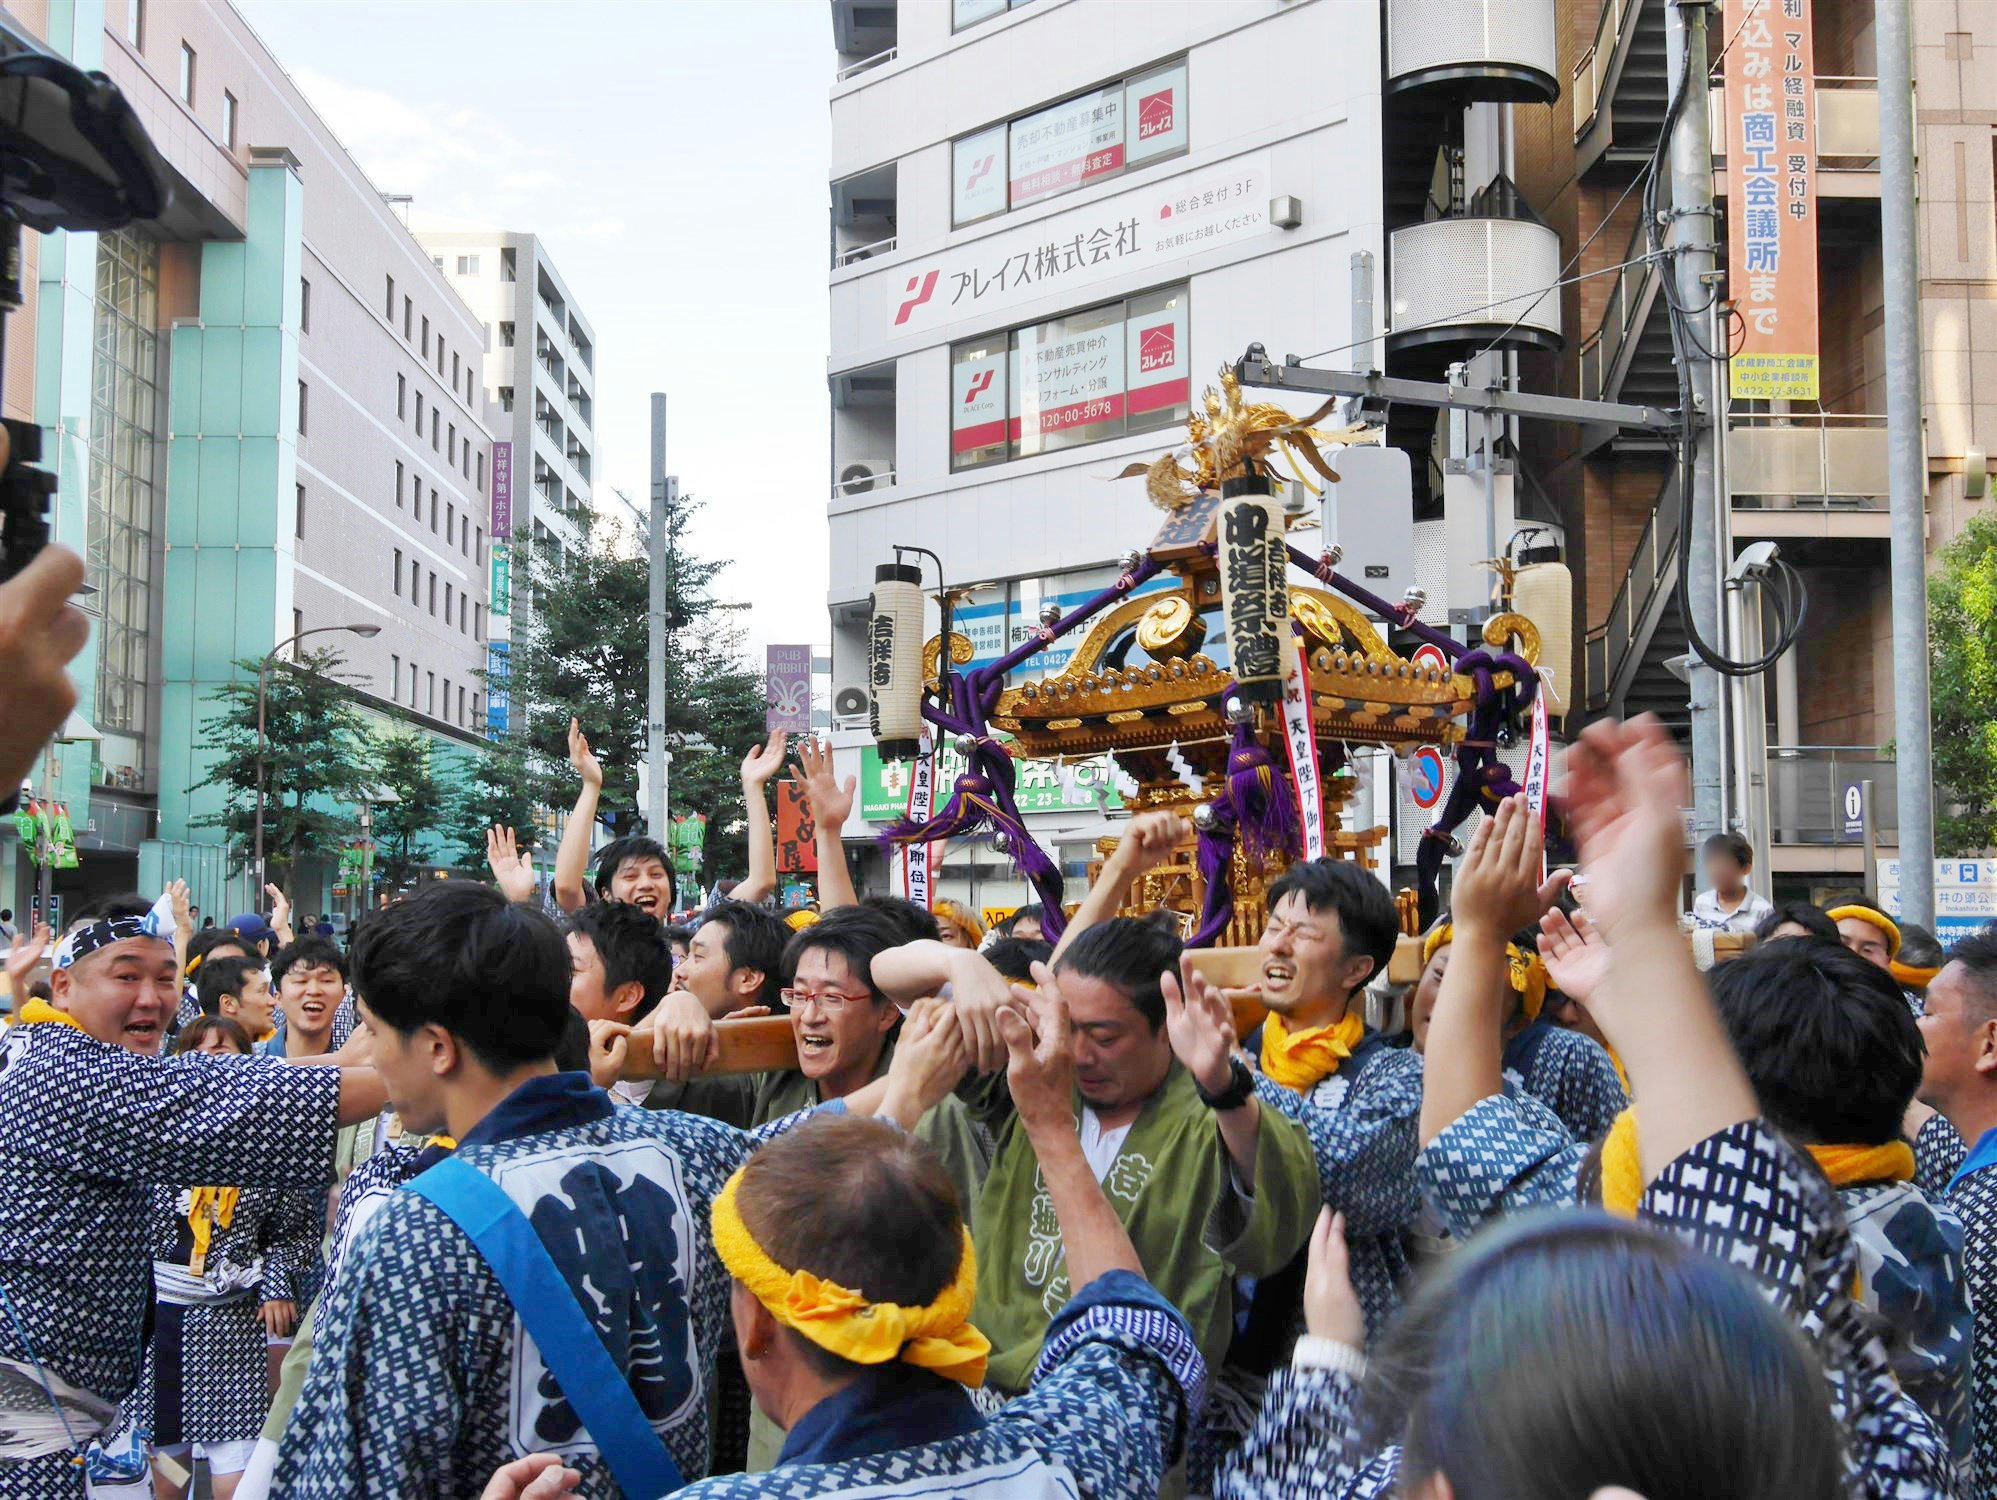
<point x="938" y="1338"/>
<point x="963" y="918"/>
<point x="798" y="920"/>
<point x="1877" y="919"/>
<point x="1524" y="972"/>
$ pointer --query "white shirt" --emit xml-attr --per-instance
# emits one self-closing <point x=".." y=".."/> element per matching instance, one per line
<point x="1707" y="911"/>
<point x="1100" y="1147"/>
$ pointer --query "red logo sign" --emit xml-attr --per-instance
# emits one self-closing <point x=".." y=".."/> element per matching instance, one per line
<point x="978" y="172"/>
<point x="1154" y="114"/>
<point x="916" y="298"/>
<point x="1157" y="348"/>
<point x="980" y="383"/>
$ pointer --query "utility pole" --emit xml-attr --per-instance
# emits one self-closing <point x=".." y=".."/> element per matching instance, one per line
<point x="1905" y="464"/>
<point x="1693" y="263"/>
<point x="658" y="546"/>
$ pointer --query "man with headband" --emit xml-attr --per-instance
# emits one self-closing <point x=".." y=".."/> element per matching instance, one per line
<point x="94" y="1118"/>
<point x="853" y="1281"/>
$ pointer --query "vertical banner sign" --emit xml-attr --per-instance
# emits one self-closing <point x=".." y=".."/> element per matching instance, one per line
<point x="1300" y="738"/>
<point x="1771" y="151"/>
<point x="787" y="689"/>
<point x="797" y="834"/>
<point x="915" y="872"/>
<point x="502" y="578"/>
<point x="1254" y="562"/>
<point x="1537" y="759"/>
<point x="502" y="491"/>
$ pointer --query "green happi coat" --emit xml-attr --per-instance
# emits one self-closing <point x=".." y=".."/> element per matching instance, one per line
<point x="1172" y="1185"/>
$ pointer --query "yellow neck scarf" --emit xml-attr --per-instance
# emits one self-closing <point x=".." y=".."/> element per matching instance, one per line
<point x="1845" y="1165"/>
<point x="208" y="1209"/>
<point x="938" y="1338"/>
<point x="1622" y="1169"/>
<point x="1298" y="1059"/>
<point x="41" y="1010"/>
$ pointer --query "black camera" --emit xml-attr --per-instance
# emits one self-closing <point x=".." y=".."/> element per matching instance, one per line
<point x="73" y="155"/>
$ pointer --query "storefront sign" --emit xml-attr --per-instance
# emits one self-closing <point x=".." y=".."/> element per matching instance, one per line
<point x="502" y="491"/>
<point x="1965" y="895"/>
<point x="787" y="689"/>
<point x="1044" y="786"/>
<point x="1771" y="154"/>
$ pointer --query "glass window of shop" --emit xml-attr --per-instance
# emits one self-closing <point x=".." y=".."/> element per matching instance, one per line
<point x="1097" y="373"/>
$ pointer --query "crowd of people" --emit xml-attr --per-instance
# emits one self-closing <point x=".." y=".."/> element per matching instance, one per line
<point x="588" y="1187"/>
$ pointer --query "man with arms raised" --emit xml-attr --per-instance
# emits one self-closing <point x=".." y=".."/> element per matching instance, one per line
<point x="94" y="1118"/>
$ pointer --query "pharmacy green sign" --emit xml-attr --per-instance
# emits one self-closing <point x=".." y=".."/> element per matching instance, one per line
<point x="1044" y="786"/>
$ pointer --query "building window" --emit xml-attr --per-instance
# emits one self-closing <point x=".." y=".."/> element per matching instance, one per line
<point x="398" y="486"/>
<point x="298" y="622"/>
<point x="228" y="119"/>
<point x="408" y="313"/>
<point x="478" y="622"/>
<point x="135" y="24"/>
<point x="461" y="703"/>
<point x="468" y="265"/>
<point x="304" y="305"/>
<point x="436" y="439"/>
<point x="432" y="676"/>
<point x="451" y="450"/>
<point x="481" y="473"/>
<point x="1114" y="128"/>
<point x="455" y="372"/>
<point x="119" y="508"/>
<point x="451" y="521"/>
<point x="394" y="677"/>
<point x="506" y="398"/>
<point x="415" y="581"/>
<point x="401" y="396"/>
<point x="390" y="313"/>
<point x="1080" y="378"/>
<point x="419" y="414"/>
<point x="301" y="408"/>
<point x="965" y="13"/>
<point x="412" y="684"/>
<point x="440" y="361"/>
<point x="186" y="73"/>
<point x="506" y="335"/>
<point x="426" y="338"/>
<point x="433" y="593"/>
<point x="397" y="579"/>
<point x="447" y="604"/>
<point x="433" y="509"/>
<point x="298" y="524"/>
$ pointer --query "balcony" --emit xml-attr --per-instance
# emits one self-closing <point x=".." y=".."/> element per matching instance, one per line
<point x="584" y="350"/>
<point x="1473" y="50"/>
<point x="864" y="33"/>
<point x="1473" y="279"/>
<point x="1806" y="793"/>
<point x="1808" y="474"/>
<point x="863" y="431"/>
<point x="1847" y="137"/>
<point x="863" y="215"/>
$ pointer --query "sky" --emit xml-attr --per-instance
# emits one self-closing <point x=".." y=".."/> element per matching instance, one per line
<point x="672" y="156"/>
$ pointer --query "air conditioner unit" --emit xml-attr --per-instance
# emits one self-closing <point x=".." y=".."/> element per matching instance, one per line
<point x="850" y="706"/>
<point x="863" y="474"/>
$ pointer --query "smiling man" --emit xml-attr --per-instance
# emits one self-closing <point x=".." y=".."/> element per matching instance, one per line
<point x="311" y="979"/>
<point x="95" y="1118"/>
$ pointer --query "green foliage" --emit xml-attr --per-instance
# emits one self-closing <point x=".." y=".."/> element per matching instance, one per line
<point x="1962" y="635"/>
<point x="315" y="760"/>
<point x="490" y="789"/>
<point x="404" y="765"/>
<point x="583" y="654"/>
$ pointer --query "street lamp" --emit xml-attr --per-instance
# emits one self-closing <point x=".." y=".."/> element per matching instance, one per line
<point x="263" y="678"/>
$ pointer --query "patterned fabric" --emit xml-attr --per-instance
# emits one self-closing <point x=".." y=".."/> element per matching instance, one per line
<point x="422" y="1382"/>
<point x="1110" y="1381"/>
<point x="1362" y="1127"/>
<point x="1744" y="1196"/>
<point x="1974" y="1200"/>
<point x="1938" y="1155"/>
<point x="89" y="1127"/>
<point x="1570" y="1074"/>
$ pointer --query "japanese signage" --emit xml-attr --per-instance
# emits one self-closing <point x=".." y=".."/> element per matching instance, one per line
<point x="689" y="836"/>
<point x="1141" y="231"/>
<point x="1074" y="142"/>
<point x="797" y="846"/>
<point x="502" y="580"/>
<point x="787" y="689"/>
<point x="1965" y="895"/>
<point x="1044" y="786"/>
<point x="917" y="861"/>
<point x="498" y="693"/>
<point x="977" y="169"/>
<point x="502" y="491"/>
<point x="1300" y="740"/>
<point x="1771" y="151"/>
<point x="1069" y="380"/>
<point x="978" y="429"/>
<point x="1254" y="564"/>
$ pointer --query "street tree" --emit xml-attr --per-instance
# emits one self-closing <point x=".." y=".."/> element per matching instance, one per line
<point x="491" y="788"/>
<point x="409" y="798"/>
<point x="1962" y="635"/>
<point x="315" y="760"/>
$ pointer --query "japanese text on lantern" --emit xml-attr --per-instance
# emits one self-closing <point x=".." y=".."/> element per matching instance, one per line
<point x="1771" y="152"/>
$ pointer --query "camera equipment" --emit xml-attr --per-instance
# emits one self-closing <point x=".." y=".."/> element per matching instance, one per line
<point x="73" y="155"/>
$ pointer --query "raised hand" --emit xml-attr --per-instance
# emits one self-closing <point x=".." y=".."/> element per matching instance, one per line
<point x="765" y="760"/>
<point x="1149" y="841"/>
<point x="22" y="958"/>
<point x="831" y="803"/>
<point x="1497" y="887"/>
<point x="930" y="1057"/>
<point x="280" y="913"/>
<point x="585" y="764"/>
<point x="40" y="630"/>
<point x="1625" y="788"/>
<point x="978" y="992"/>
<point x="1576" y="957"/>
<point x="1331" y="1306"/>
<point x="1200" y="1022"/>
<point x="1040" y="1056"/>
<point x="512" y="867"/>
<point x="183" y="907"/>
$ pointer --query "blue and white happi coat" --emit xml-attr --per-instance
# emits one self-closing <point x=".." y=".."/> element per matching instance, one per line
<point x="90" y="1128"/>
<point x="422" y="1381"/>
<point x="1571" y="1074"/>
<point x="1116" y="1386"/>
<point x="1744" y="1196"/>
